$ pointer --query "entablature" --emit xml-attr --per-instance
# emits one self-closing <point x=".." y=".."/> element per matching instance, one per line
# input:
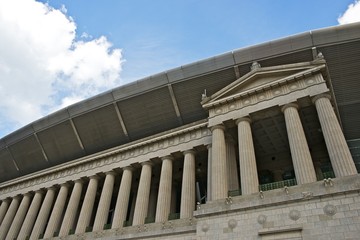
<point x="181" y="139"/>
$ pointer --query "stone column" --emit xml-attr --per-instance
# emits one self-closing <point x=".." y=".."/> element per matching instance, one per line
<point x="30" y="218"/>
<point x="122" y="201"/>
<point x="219" y="180"/>
<point x="3" y="209"/>
<point x="301" y="157"/>
<point x="164" y="195"/>
<point x="209" y="169"/>
<point x="142" y="198"/>
<point x="56" y="214"/>
<point x="72" y="208"/>
<point x="19" y="217"/>
<point x="248" y="170"/>
<point x="233" y="176"/>
<point x="187" y="204"/>
<point x="43" y="215"/>
<point x="104" y="202"/>
<point x="339" y="153"/>
<point x="88" y="205"/>
<point x="9" y="217"/>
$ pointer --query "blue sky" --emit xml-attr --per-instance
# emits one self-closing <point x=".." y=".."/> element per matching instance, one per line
<point x="58" y="52"/>
<point x="159" y="35"/>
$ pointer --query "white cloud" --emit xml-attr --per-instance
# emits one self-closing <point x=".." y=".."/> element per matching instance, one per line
<point x="43" y="67"/>
<point x="352" y="13"/>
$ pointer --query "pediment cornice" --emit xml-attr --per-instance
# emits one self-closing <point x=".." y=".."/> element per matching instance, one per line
<point x="261" y="79"/>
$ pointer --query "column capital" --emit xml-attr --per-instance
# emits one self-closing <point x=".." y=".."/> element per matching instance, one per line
<point x="168" y="157"/>
<point x="294" y="105"/>
<point x="65" y="184"/>
<point x="29" y="194"/>
<point x="79" y="181"/>
<point x="94" y="177"/>
<point x="53" y="188"/>
<point x="41" y="191"/>
<point x="147" y="163"/>
<point x="209" y="146"/>
<point x="219" y="126"/>
<point x="111" y="172"/>
<point x="189" y="151"/>
<point x="130" y="168"/>
<point x="247" y="119"/>
<point x="6" y="200"/>
<point x="322" y="95"/>
<point x="17" y="197"/>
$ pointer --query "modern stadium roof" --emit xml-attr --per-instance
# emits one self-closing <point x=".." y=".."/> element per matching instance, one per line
<point x="172" y="98"/>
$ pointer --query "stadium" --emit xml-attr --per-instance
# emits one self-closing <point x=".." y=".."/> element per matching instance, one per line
<point x="259" y="143"/>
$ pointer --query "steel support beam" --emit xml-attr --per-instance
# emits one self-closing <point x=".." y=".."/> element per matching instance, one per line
<point x="13" y="159"/>
<point x="121" y="120"/>
<point x="176" y="107"/>
<point x="41" y="147"/>
<point x="237" y="72"/>
<point x="76" y="134"/>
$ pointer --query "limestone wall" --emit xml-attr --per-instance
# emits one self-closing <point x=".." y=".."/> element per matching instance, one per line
<point x="311" y="211"/>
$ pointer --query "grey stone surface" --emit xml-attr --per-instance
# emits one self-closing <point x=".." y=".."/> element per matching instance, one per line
<point x="330" y="213"/>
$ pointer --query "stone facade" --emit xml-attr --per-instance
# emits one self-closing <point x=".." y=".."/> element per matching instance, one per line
<point x="313" y="211"/>
<point x="211" y="179"/>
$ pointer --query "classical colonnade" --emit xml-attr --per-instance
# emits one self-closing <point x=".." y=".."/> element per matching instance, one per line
<point x="340" y="156"/>
<point x="41" y="213"/>
<point x="45" y="212"/>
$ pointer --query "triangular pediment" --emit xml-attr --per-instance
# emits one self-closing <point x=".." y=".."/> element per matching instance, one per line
<point x="263" y="78"/>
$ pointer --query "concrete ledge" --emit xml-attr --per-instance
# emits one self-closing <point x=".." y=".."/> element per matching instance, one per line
<point x="151" y="230"/>
<point x="299" y="193"/>
<point x="280" y="230"/>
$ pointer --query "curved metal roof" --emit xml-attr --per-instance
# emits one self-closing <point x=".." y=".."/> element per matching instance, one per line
<point x="172" y="98"/>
